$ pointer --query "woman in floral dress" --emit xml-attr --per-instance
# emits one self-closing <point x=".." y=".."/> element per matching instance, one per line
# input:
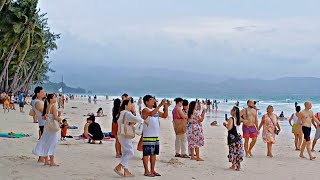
<point x="270" y="125"/>
<point x="195" y="131"/>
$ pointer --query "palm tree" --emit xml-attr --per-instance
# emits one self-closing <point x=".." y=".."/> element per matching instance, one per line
<point x="25" y="44"/>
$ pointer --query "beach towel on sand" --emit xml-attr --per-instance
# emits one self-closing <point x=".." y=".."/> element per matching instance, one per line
<point x="13" y="135"/>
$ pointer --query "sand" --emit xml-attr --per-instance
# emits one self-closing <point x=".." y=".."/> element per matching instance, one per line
<point x="79" y="160"/>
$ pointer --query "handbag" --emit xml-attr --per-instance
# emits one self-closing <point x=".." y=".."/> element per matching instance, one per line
<point x="126" y="130"/>
<point x="31" y="112"/>
<point x="51" y="124"/>
<point x="139" y="129"/>
<point x="233" y="138"/>
<point x="276" y="131"/>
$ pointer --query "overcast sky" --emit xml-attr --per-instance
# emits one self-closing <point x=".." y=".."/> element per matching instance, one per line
<point x="245" y="38"/>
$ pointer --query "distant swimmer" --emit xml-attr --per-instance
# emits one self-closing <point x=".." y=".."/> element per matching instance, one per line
<point x="281" y="114"/>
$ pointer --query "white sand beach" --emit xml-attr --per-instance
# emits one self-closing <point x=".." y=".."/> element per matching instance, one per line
<point x="80" y="160"/>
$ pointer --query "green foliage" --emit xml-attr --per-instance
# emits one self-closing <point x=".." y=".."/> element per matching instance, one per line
<point x="25" y="44"/>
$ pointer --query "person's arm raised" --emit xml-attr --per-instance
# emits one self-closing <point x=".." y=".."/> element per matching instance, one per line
<point x="228" y="124"/>
<point x="146" y="113"/>
<point x="131" y="118"/>
<point x="166" y="109"/>
<point x="202" y="116"/>
<point x="182" y="115"/>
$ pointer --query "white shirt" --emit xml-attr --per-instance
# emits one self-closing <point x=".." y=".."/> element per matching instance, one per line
<point x="153" y="130"/>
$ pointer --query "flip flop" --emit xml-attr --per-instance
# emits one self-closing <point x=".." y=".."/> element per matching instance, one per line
<point x="149" y="175"/>
<point x="130" y="175"/>
<point x="156" y="174"/>
<point x="119" y="173"/>
<point x="185" y="156"/>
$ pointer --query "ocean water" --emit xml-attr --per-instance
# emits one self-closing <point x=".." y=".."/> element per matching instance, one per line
<point x="279" y="103"/>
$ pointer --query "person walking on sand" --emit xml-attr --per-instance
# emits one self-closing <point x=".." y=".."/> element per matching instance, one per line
<point x="307" y="117"/>
<point x="195" y="131"/>
<point x="296" y="128"/>
<point x="234" y="139"/>
<point x="250" y="127"/>
<point x="271" y="127"/>
<point x="180" y="125"/>
<point x="47" y="144"/>
<point x="317" y="135"/>
<point x="126" y="143"/>
<point x="151" y="133"/>
<point x="114" y="131"/>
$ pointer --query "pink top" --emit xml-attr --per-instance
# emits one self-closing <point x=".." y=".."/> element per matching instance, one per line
<point x="175" y="113"/>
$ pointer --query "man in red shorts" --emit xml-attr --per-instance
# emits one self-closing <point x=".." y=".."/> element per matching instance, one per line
<point x="250" y="127"/>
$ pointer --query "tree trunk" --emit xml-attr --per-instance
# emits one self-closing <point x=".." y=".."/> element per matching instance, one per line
<point x="27" y="79"/>
<point x="8" y="59"/>
<point x="2" y="3"/>
<point x="15" y="78"/>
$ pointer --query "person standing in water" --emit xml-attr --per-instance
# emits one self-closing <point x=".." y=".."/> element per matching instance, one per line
<point x="296" y="128"/>
<point x="307" y="117"/>
<point x="250" y="127"/>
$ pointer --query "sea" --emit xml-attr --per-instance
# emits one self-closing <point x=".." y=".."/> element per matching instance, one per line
<point x="285" y="104"/>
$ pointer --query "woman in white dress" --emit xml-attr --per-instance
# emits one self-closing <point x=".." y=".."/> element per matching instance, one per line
<point x="126" y="116"/>
<point x="47" y="144"/>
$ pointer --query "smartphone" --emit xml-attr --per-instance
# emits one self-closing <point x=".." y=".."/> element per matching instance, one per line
<point x="226" y="117"/>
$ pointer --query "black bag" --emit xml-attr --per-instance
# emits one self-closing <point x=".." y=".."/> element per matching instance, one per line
<point x="233" y="139"/>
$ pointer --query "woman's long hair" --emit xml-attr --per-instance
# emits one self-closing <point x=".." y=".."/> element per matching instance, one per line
<point x="124" y="104"/>
<point x="49" y="97"/>
<point x="100" y="109"/>
<point x="237" y="111"/>
<point x="116" y="107"/>
<point x="192" y="105"/>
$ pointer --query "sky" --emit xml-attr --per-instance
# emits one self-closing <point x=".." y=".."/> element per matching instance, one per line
<point x="263" y="39"/>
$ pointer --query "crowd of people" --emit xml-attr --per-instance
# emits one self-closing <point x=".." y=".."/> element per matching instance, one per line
<point x="9" y="101"/>
<point x="187" y="119"/>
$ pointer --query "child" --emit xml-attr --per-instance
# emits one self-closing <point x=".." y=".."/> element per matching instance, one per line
<point x="6" y="104"/>
<point x="64" y="128"/>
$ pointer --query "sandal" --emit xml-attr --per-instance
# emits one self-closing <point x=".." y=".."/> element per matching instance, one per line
<point x="156" y="174"/>
<point x="185" y="156"/>
<point x="177" y="155"/>
<point x="149" y="175"/>
<point x="118" y="172"/>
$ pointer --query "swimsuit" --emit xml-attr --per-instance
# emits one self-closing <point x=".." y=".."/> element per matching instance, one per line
<point x="249" y="131"/>
<point x="306" y="132"/>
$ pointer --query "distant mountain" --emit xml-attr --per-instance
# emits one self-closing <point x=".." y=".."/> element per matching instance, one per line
<point x="138" y="81"/>
<point x="281" y="86"/>
<point x="54" y="87"/>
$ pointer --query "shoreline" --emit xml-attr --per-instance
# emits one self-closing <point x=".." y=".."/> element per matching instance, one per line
<point x="80" y="160"/>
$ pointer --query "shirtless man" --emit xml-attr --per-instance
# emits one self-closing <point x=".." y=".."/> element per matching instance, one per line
<point x="250" y="125"/>
<point x="307" y="117"/>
